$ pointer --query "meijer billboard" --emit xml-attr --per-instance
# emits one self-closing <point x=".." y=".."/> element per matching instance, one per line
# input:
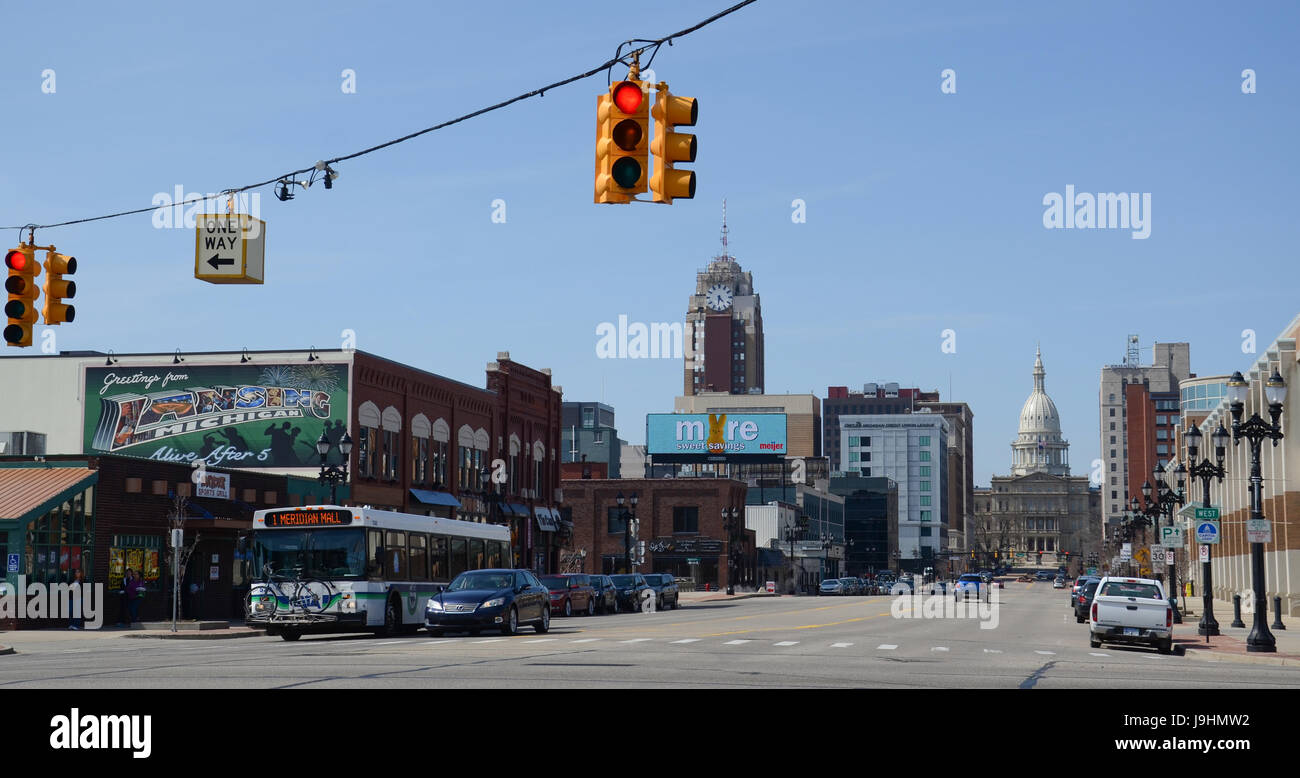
<point x="718" y="434"/>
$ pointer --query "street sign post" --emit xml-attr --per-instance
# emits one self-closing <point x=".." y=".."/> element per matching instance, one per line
<point x="1171" y="537"/>
<point x="1207" y="532"/>
<point x="229" y="248"/>
<point x="1207" y="513"/>
<point x="1157" y="554"/>
<point x="1205" y="553"/>
<point x="1126" y="551"/>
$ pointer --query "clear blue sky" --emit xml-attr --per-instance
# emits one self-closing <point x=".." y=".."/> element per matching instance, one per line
<point x="924" y="210"/>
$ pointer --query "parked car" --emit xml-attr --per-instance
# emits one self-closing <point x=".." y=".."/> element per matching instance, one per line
<point x="485" y="599"/>
<point x="1059" y="583"/>
<point x="1078" y="584"/>
<point x="629" y="587"/>
<point x="606" y="594"/>
<point x="666" y="593"/>
<point x="1131" y="610"/>
<point x="1043" y="575"/>
<point x="831" y="586"/>
<point x="571" y="593"/>
<point x="901" y="586"/>
<point x="851" y="585"/>
<point x="1083" y="599"/>
<point x="986" y="576"/>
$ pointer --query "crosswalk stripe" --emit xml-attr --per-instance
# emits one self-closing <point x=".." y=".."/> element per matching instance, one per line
<point x="840" y="645"/>
<point x="939" y="648"/>
<point x="886" y="647"/>
<point x="490" y="640"/>
<point x="688" y="640"/>
<point x="1046" y="653"/>
<point x="585" y="640"/>
<point x="438" y="642"/>
<point x="992" y="650"/>
<point x="541" y="640"/>
<point x="1090" y="653"/>
<point x="737" y="642"/>
<point x="636" y="640"/>
<point x="389" y="642"/>
<point x="788" y="643"/>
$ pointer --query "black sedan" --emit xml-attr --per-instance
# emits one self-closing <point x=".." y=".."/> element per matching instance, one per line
<point x="489" y="599"/>
<point x="629" y="587"/>
<point x="606" y="594"/>
<point x="666" y="592"/>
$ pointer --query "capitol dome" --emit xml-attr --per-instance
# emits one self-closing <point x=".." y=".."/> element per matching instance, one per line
<point x="1039" y="447"/>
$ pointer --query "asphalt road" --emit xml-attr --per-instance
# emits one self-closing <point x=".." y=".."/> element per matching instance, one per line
<point x="839" y="642"/>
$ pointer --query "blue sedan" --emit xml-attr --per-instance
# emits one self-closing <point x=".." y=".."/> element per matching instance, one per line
<point x="489" y="599"/>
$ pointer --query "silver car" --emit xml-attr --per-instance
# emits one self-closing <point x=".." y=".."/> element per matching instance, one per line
<point x="831" y="586"/>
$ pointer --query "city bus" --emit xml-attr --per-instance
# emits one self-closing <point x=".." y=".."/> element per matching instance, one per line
<point x="330" y="568"/>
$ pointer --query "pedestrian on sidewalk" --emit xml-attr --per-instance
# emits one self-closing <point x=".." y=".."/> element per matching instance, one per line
<point x="134" y="589"/>
<point x="78" y="620"/>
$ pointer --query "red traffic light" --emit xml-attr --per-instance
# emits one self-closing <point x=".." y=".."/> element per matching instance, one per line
<point x="627" y="96"/>
<point x="16" y="260"/>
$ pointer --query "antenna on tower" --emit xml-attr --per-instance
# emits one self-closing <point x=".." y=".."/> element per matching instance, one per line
<point x="1131" y="356"/>
<point x="725" y="255"/>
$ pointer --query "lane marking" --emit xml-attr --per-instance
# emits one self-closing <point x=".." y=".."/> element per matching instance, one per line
<point x="1090" y="653"/>
<point x="489" y="640"/>
<point x="886" y="647"/>
<point x="992" y="650"/>
<point x="787" y="643"/>
<point x="542" y="640"/>
<point x="389" y="642"/>
<point x="637" y="640"/>
<point x="840" y="645"/>
<point x="939" y="648"/>
<point x="1046" y="653"/>
<point x="438" y="642"/>
<point x="802" y="626"/>
<point x="585" y="640"/>
<point x="737" y="642"/>
<point x="688" y="640"/>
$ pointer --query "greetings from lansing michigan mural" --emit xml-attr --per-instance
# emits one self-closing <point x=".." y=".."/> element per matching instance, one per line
<point x="233" y="415"/>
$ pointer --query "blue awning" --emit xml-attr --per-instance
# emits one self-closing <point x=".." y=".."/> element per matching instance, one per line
<point x="546" y="519"/>
<point x="516" y="509"/>
<point x="429" y="497"/>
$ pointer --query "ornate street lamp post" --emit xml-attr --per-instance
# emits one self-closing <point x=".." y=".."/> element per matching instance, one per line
<point x="791" y="535"/>
<point x="1161" y="500"/>
<point x="1255" y="430"/>
<point x="629" y="528"/>
<point x="333" y="474"/>
<point x="731" y="523"/>
<point x="1205" y="470"/>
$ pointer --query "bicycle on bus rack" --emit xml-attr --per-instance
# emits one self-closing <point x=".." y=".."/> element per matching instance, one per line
<point x="282" y="599"/>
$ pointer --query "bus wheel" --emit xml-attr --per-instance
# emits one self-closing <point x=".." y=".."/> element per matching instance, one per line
<point x="290" y="634"/>
<point x="392" y="618"/>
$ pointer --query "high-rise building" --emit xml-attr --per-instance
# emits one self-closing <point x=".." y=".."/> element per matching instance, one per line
<point x="723" y="340"/>
<point x="588" y="434"/>
<point x="1170" y="364"/>
<point x="874" y="398"/>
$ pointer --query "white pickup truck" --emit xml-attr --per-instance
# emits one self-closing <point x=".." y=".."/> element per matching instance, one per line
<point x="1131" y="610"/>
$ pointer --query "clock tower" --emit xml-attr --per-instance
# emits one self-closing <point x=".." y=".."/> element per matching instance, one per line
<point x="723" y="338"/>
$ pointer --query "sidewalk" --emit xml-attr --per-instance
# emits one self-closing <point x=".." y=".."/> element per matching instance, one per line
<point x="1230" y="644"/>
<point x="10" y="642"/>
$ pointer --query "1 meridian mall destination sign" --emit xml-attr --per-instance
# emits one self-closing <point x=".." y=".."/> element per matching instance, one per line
<point x="234" y="415"/>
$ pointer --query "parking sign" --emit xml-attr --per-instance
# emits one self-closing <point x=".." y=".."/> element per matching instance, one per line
<point x="12" y="567"/>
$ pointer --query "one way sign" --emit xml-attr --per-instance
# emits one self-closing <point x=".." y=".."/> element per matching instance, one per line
<point x="229" y="248"/>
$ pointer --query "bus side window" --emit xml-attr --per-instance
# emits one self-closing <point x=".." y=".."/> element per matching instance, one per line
<point x="438" y="559"/>
<point x="476" y="554"/>
<point x="419" y="563"/>
<point x="375" y="563"/>
<point x="397" y="570"/>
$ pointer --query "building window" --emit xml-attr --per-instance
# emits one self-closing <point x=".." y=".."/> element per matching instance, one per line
<point x="390" y="455"/>
<point x="1162" y="435"/>
<point x="614" y="520"/>
<point x="853" y="440"/>
<point x="925" y="456"/>
<point x="588" y="418"/>
<point x="365" y="452"/>
<point x="1112" y="411"/>
<point x="925" y="532"/>
<point x="925" y="486"/>
<point x="866" y="441"/>
<point x="925" y="499"/>
<point x="853" y="456"/>
<point x="1162" y="420"/>
<point x="464" y="480"/>
<point x="686" y="519"/>
<point x="1112" y="425"/>
<point x="1162" y="449"/>
<point x="440" y="462"/>
<point x="420" y="467"/>
<point x="1112" y="437"/>
<point x="866" y="471"/>
<point x="925" y="471"/>
<point x="866" y="456"/>
<point x="924" y="441"/>
<point x="925" y="515"/>
<point x="1112" y="467"/>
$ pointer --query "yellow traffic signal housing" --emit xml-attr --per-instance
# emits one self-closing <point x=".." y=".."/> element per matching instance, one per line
<point x="23" y="293"/>
<point x="671" y="147"/>
<point x="622" y="141"/>
<point x="55" y="311"/>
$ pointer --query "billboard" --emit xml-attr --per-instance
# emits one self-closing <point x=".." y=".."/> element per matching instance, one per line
<point x="245" y="416"/>
<point x="715" y="434"/>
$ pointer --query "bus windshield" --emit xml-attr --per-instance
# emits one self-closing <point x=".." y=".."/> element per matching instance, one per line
<point x="311" y="553"/>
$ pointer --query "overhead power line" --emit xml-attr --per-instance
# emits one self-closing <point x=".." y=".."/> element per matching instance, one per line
<point x="619" y="57"/>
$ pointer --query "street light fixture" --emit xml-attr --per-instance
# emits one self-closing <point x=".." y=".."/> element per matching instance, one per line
<point x="333" y="474"/>
<point x="731" y="522"/>
<point x="1162" y="500"/>
<point x="1255" y="430"/>
<point x="630" y="527"/>
<point x="791" y="535"/>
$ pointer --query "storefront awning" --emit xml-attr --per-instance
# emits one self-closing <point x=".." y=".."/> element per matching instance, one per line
<point x="429" y="497"/>
<point x="26" y="492"/>
<point x="515" y="509"/>
<point x="546" y="519"/>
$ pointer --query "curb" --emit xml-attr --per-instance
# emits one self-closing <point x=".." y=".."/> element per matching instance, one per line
<point x="1209" y="656"/>
<point x="201" y="635"/>
<point x="728" y="598"/>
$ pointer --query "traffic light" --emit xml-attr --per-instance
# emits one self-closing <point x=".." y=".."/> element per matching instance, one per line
<point x="670" y="147"/>
<point x="622" y="141"/>
<point x="21" y="286"/>
<point x="55" y="311"/>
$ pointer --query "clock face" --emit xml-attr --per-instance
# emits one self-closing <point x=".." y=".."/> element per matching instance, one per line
<point x="718" y="297"/>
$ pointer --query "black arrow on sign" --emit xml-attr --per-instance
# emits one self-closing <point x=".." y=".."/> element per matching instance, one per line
<point x="217" y="261"/>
